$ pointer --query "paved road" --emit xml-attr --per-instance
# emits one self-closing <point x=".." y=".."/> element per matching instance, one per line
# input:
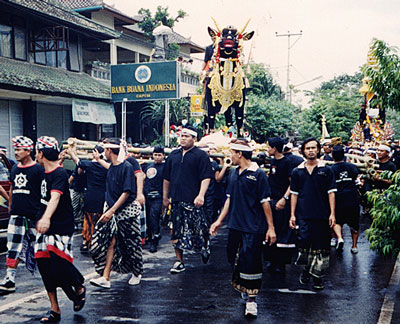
<point x="354" y="292"/>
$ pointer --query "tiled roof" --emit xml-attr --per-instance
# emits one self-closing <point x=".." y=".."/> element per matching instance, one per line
<point x="180" y="40"/>
<point x="75" y="4"/>
<point x="68" y="17"/>
<point x="29" y="77"/>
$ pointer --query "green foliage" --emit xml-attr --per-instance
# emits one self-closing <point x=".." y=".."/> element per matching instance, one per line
<point x="339" y="100"/>
<point x="161" y="17"/>
<point x="268" y="116"/>
<point x="172" y="51"/>
<point x="384" y="233"/>
<point x="261" y="81"/>
<point x="393" y="117"/>
<point x="385" y="74"/>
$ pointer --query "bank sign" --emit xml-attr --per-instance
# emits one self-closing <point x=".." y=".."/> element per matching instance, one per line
<point x="145" y="81"/>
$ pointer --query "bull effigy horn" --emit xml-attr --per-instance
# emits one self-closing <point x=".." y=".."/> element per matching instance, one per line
<point x="216" y="25"/>
<point x="244" y="28"/>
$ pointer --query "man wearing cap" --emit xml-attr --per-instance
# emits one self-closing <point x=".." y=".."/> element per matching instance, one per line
<point x="187" y="174"/>
<point x="116" y="243"/>
<point x="55" y="227"/>
<point x="250" y="223"/>
<point x="327" y="150"/>
<point x="279" y="181"/>
<point x="383" y="159"/>
<point x="26" y="178"/>
<point x="312" y="189"/>
<point x="93" y="199"/>
<point x="153" y="190"/>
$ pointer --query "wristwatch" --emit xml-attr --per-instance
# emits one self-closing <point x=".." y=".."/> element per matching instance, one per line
<point x="286" y="197"/>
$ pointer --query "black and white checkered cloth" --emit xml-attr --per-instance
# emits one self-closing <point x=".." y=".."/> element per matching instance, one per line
<point x="46" y="142"/>
<point x="16" y="234"/>
<point x="58" y="244"/>
<point x="22" y="142"/>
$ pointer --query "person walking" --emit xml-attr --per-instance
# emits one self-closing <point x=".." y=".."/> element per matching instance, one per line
<point x="116" y="242"/>
<point x="347" y="209"/>
<point x="312" y="189"/>
<point x="55" y="228"/>
<point x="153" y="190"/>
<point x="26" y="179"/>
<point x="250" y="223"/>
<point x="187" y="174"/>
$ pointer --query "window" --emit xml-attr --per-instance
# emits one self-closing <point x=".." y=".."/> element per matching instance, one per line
<point x="6" y="48"/>
<point x="20" y="43"/>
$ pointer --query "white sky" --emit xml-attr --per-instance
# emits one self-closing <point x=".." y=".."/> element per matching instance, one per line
<point x="335" y="40"/>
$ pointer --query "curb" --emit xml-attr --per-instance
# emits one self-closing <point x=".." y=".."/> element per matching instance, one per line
<point x="387" y="309"/>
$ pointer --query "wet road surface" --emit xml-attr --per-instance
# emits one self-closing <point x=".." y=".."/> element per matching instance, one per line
<point x="354" y="291"/>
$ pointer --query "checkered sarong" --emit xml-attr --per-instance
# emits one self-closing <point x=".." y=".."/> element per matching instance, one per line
<point x="77" y="206"/>
<point x="124" y="225"/>
<point x="58" y="244"/>
<point x="20" y="229"/>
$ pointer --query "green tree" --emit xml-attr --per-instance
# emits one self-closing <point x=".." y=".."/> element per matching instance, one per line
<point x="384" y="233"/>
<point x="261" y="81"/>
<point x="384" y="74"/>
<point x="339" y="100"/>
<point x="268" y="117"/>
<point x="161" y="17"/>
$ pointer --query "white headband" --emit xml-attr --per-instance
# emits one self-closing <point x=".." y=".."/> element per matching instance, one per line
<point x="189" y="131"/>
<point x="109" y="145"/>
<point x="241" y="147"/>
<point x="384" y="147"/>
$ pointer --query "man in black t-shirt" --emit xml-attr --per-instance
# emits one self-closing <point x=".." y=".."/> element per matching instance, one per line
<point x="295" y="160"/>
<point x="55" y="227"/>
<point x="153" y="187"/>
<point x="347" y="209"/>
<point x="93" y="199"/>
<point x="326" y="151"/>
<point x="120" y="219"/>
<point x="187" y="174"/>
<point x="26" y="178"/>
<point x="312" y="188"/>
<point x="383" y="159"/>
<point x="279" y="181"/>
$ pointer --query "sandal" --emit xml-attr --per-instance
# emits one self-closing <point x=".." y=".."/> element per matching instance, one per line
<point x="80" y="302"/>
<point x="51" y="317"/>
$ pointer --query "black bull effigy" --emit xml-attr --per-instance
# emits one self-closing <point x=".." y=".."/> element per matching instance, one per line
<point x="225" y="86"/>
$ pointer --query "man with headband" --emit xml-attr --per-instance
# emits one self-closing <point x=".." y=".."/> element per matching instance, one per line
<point x="116" y="243"/>
<point x="26" y="178"/>
<point x="187" y="174"/>
<point x="55" y="227"/>
<point x="383" y="158"/>
<point x="250" y="223"/>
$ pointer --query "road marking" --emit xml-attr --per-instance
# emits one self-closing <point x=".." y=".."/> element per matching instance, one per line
<point x="390" y="296"/>
<point x="29" y="298"/>
<point x="120" y="319"/>
<point x="300" y="291"/>
<point x="76" y="235"/>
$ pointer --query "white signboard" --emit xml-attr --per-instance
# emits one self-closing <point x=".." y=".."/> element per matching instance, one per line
<point x="93" y="112"/>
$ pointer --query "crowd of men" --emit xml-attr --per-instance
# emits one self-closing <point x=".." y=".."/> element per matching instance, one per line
<point x="299" y="202"/>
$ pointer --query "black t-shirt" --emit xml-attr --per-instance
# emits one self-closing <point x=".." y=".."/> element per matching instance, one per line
<point x="26" y="181"/>
<point x="119" y="180"/>
<point x="62" y="220"/>
<point x="295" y="160"/>
<point x="186" y="172"/>
<point x="209" y="53"/>
<point x="385" y="166"/>
<point x="136" y="169"/>
<point x="327" y="157"/>
<point x="346" y="175"/>
<point x="211" y="186"/>
<point x="278" y="178"/>
<point x="247" y="192"/>
<point x="154" y="178"/>
<point x="96" y="176"/>
<point x="79" y="182"/>
<point x="312" y="191"/>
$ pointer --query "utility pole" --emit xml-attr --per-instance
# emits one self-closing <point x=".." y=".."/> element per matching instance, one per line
<point x="288" y="35"/>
